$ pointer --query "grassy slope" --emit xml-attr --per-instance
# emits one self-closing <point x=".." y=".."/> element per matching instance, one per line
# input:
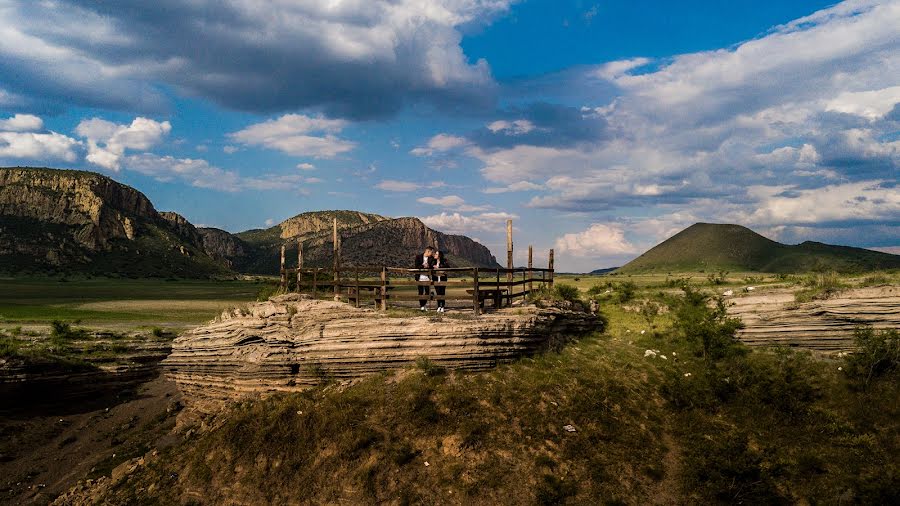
<point x="104" y="301"/>
<point x="757" y="427"/>
<point x="711" y="247"/>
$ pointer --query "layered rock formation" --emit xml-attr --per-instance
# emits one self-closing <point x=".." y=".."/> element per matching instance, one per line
<point x="81" y="221"/>
<point x="292" y="342"/>
<point x="224" y="246"/>
<point x="773" y="318"/>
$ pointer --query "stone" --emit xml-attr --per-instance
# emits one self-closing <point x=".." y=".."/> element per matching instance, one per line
<point x="290" y="343"/>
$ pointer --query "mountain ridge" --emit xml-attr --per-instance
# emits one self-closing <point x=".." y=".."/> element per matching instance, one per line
<point x="715" y="246"/>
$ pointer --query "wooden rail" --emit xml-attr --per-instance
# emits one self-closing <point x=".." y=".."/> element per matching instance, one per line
<point x="382" y="285"/>
<point x="375" y="283"/>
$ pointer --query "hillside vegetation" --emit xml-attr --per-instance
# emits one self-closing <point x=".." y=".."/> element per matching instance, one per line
<point x="710" y="247"/>
<point x="665" y="407"/>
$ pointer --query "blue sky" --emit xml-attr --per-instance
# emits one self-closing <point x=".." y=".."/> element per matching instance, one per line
<point x="599" y="127"/>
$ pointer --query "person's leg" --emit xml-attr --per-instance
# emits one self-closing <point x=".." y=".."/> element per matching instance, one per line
<point x="423" y="290"/>
<point x="441" y="291"/>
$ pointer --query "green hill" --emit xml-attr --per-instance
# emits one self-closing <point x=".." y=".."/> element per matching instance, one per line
<point x="709" y="246"/>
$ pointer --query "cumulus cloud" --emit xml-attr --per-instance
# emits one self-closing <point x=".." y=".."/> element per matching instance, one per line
<point x="811" y="107"/>
<point x="519" y="186"/>
<point x="290" y="134"/>
<point x="440" y="143"/>
<point x="21" y="123"/>
<point x="598" y="240"/>
<point x="107" y="141"/>
<point x="306" y="166"/>
<point x="456" y="223"/>
<point x="37" y="146"/>
<point x="516" y="127"/>
<point x="354" y="59"/>
<point x="451" y="202"/>
<point x="393" y="185"/>
<point x="201" y="174"/>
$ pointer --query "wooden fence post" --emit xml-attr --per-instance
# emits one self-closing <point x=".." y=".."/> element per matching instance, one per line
<point x="283" y="272"/>
<point x="551" y="269"/>
<point x="530" y="266"/>
<point x="384" y="289"/>
<point x="299" y="265"/>
<point x="509" y="251"/>
<point x="476" y="297"/>
<point x="356" y="270"/>
<point x="337" y="262"/>
<point x="498" y="300"/>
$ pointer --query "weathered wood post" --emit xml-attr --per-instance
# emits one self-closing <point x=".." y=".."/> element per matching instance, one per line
<point x="551" y="270"/>
<point x="384" y="294"/>
<point x="476" y="297"/>
<point x="356" y="271"/>
<point x="283" y="272"/>
<point x="299" y="265"/>
<point x="530" y="266"/>
<point x="509" y="252"/>
<point x="498" y="300"/>
<point x="337" y="262"/>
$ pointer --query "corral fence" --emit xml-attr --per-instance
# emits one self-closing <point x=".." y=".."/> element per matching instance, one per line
<point x="384" y="286"/>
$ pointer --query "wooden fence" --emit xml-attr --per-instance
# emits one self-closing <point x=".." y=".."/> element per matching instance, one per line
<point x="381" y="285"/>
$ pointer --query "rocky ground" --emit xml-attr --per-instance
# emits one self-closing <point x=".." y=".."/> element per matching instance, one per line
<point x="772" y="316"/>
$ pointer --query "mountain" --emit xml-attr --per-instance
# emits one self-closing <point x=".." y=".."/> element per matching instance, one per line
<point x="67" y="221"/>
<point x="366" y="239"/>
<point x="710" y="247"/>
<point x="75" y="221"/>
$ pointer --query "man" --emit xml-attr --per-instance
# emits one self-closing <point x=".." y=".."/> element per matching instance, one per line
<point x="424" y="261"/>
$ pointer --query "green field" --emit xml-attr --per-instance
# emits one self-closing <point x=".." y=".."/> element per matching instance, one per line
<point x="119" y="303"/>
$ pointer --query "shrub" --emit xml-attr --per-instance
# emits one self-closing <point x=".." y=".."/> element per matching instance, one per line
<point x="267" y="291"/>
<point x="820" y="286"/>
<point x="566" y="292"/>
<point x="60" y="330"/>
<point x="717" y="278"/>
<point x="710" y="329"/>
<point x="157" y="332"/>
<point x="428" y="367"/>
<point x="877" y="354"/>
<point x="627" y="291"/>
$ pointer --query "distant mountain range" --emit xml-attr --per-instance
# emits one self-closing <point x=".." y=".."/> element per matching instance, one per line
<point x="710" y="247"/>
<point x="68" y="221"/>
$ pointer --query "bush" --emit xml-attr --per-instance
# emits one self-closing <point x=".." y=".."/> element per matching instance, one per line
<point x="877" y="355"/>
<point x="717" y="278"/>
<point x="63" y="331"/>
<point x="566" y="292"/>
<point x="626" y="291"/>
<point x="820" y="286"/>
<point x="709" y="329"/>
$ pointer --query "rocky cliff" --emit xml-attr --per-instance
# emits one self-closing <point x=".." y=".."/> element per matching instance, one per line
<point x="224" y="246"/>
<point x="69" y="220"/>
<point x="292" y="342"/>
<point x="382" y="241"/>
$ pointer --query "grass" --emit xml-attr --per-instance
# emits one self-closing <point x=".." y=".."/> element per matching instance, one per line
<point x="100" y="302"/>
<point x="712" y="422"/>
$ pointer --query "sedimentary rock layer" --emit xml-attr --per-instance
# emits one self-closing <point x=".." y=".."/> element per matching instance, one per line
<point x="292" y="342"/>
<point x="774" y="318"/>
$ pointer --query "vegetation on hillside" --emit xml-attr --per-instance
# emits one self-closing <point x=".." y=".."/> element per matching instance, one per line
<point x="712" y="248"/>
<point x="685" y="414"/>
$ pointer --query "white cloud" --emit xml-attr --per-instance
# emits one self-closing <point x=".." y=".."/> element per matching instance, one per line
<point x="201" y="174"/>
<point x="291" y="134"/>
<point x="306" y="166"/>
<point x="517" y="127"/>
<point x="518" y="186"/>
<point x="439" y="144"/>
<point x="107" y="141"/>
<point x="868" y="104"/>
<point x="21" y="123"/>
<point x="456" y="223"/>
<point x="37" y="146"/>
<point x="230" y="150"/>
<point x="598" y="240"/>
<point x="616" y="69"/>
<point x="397" y="186"/>
<point x="359" y="58"/>
<point x="452" y="201"/>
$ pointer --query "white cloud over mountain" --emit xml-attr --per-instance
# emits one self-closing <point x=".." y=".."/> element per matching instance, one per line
<point x="293" y="134"/>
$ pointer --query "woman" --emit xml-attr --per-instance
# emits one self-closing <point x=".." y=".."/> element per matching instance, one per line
<point x="440" y="263"/>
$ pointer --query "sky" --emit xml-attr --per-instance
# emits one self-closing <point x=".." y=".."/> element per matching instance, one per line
<point x="599" y="127"/>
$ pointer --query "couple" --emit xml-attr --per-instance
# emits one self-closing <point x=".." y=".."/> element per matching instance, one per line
<point x="431" y="258"/>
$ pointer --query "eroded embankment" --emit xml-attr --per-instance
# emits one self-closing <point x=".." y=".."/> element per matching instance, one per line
<point x="775" y="318"/>
<point x="292" y="342"/>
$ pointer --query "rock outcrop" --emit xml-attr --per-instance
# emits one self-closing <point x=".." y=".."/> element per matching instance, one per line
<point x="223" y="246"/>
<point x="773" y="318"/>
<point x="292" y="342"/>
<point x="72" y="220"/>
